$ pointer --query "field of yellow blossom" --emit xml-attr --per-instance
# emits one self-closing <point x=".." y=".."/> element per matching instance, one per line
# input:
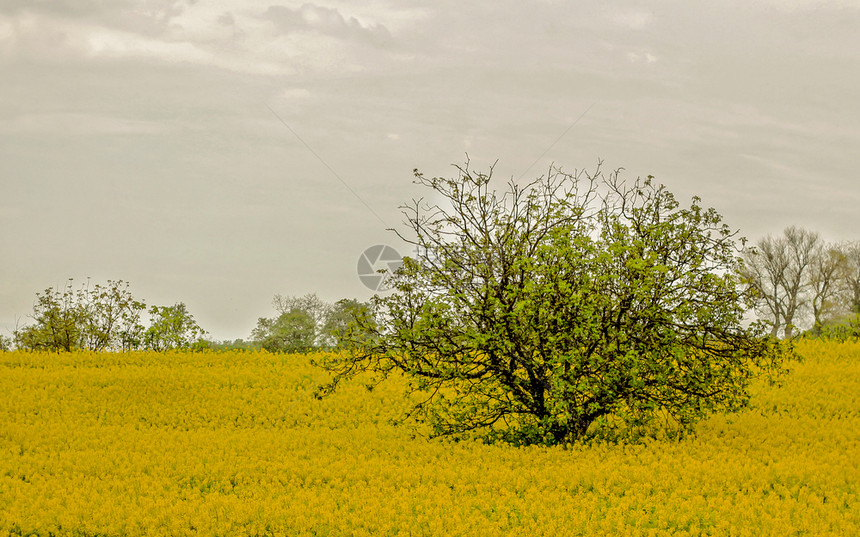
<point x="234" y="444"/>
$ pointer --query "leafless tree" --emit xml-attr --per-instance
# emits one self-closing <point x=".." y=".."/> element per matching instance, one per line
<point x="826" y="273"/>
<point x="801" y="246"/>
<point x="779" y="269"/>
<point x="763" y="268"/>
<point x="850" y="279"/>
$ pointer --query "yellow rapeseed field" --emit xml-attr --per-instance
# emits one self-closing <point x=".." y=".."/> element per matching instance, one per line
<point x="235" y="444"/>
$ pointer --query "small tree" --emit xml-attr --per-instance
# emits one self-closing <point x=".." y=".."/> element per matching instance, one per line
<point x="58" y="322"/>
<point x="314" y="306"/>
<point x="5" y="343"/>
<point x="110" y="317"/>
<point x="577" y="298"/>
<point x="292" y="331"/>
<point x="96" y="318"/>
<point x="172" y="327"/>
<point x="342" y="313"/>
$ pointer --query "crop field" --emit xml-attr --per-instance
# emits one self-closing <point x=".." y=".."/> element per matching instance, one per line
<point x="235" y="444"/>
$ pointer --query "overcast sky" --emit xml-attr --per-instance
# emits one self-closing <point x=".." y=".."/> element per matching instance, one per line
<point x="139" y="139"/>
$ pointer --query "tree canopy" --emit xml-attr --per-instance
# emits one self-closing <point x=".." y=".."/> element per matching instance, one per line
<point x="172" y="327"/>
<point x="107" y="317"/>
<point x="305" y="323"/>
<point x="532" y="314"/>
<point x="292" y="331"/>
<point x="92" y="317"/>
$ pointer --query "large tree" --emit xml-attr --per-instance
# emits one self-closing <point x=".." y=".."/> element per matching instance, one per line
<point x="577" y="298"/>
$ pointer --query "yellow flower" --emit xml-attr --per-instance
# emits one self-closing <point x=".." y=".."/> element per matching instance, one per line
<point x="147" y="444"/>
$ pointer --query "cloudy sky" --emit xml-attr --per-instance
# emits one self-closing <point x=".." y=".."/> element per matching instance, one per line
<point x="217" y="152"/>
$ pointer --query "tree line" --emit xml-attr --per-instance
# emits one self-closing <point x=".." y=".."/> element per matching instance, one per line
<point x="799" y="280"/>
<point x="306" y="323"/>
<point x="796" y="279"/>
<point x="107" y="317"/>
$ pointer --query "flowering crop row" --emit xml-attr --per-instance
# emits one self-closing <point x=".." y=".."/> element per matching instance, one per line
<point x="235" y="444"/>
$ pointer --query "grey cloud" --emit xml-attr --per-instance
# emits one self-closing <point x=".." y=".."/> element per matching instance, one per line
<point x="77" y="124"/>
<point x="150" y="18"/>
<point x="325" y="20"/>
<point x="227" y="19"/>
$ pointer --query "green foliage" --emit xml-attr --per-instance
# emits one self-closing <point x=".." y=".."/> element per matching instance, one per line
<point x="318" y="310"/>
<point x="93" y="318"/>
<point x="104" y="318"/>
<point x="532" y="314"/>
<point x="172" y="327"/>
<point x="292" y="331"/>
<point x="844" y="329"/>
<point x="5" y="343"/>
<point x="343" y="313"/>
